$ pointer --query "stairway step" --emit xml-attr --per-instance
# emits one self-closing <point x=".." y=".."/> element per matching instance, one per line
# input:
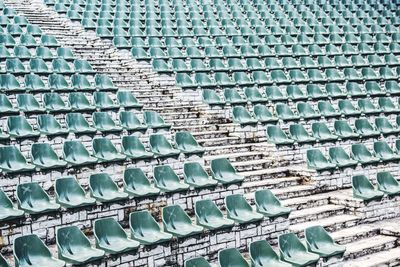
<point x="315" y="213"/>
<point x="332" y="223"/>
<point x="368" y="246"/>
<point x="351" y="234"/>
<point x="389" y="257"/>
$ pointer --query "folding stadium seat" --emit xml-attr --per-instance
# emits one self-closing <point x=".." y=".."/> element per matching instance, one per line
<point x="249" y="52"/>
<point x="269" y="205"/>
<point x="363" y="189"/>
<point x="197" y="65"/>
<point x="19" y="127"/>
<point x="285" y="113"/>
<point x="61" y="66"/>
<point x="197" y="262"/>
<point x="8" y="211"/>
<point x="44" y="53"/>
<point x="155" y="121"/>
<point x="334" y="90"/>
<point x="70" y="194"/>
<point x="105" y="151"/>
<point x="365" y="129"/>
<point x="104" y="189"/>
<point x="392" y="87"/>
<point x="340" y="157"/>
<point x="260" y="78"/>
<point x="375" y="60"/>
<point x="367" y="107"/>
<point x="361" y="153"/>
<point x="239" y="210"/>
<point x="140" y="54"/>
<point x="278" y="76"/>
<point x="347" y="108"/>
<point x="186" y="143"/>
<point x="76" y="154"/>
<point x="28" y="104"/>
<point x="79" y="102"/>
<point x="306" y="111"/>
<point x="387" y="183"/>
<point x="49" y="41"/>
<point x="385" y="127"/>
<point x="373" y="89"/>
<point x="103" y="122"/>
<point x="385" y="152"/>
<point x="263" y="115"/>
<point x="209" y="216"/>
<point x="295" y="252"/>
<point x="44" y="157"/>
<point x="232" y="97"/>
<point x="34" y="83"/>
<point x="103" y="101"/>
<point x="320" y="242"/>
<point x="261" y="253"/>
<point x="299" y="134"/>
<point x="30" y="250"/>
<point x="334" y="75"/>
<point x="277" y="136"/>
<point x="80" y="82"/>
<point x="34" y="200"/>
<point x="133" y="148"/>
<point x="299" y="50"/>
<point x="275" y="94"/>
<point x="223" y="171"/>
<point x="316" y="160"/>
<point x="78" y="124"/>
<point x="74" y="247"/>
<point x="161" y="147"/>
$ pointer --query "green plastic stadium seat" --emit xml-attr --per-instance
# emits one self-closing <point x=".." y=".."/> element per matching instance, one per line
<point x="285" y="113"/>
<point x="136" y="183"/>
<point x="48" y="125"/>
<point x="231" y="257"/>
<point x="44" y="53"/>
<point x="79" y="102"/>
<point x="22" y="52"/>
<point x="19" y="127"/>
<point x="293" y="251"/>
<point x="210" y="216"/>
<point x="385" y="127"/>
<point x="241" y="116"/>
<point x="111" y="237"/>
<point x="7" y="209"/>
<point x="263" y="114"/>
<point x="269" y="205"/>
<point x="29" y="250"/>
<point x="385" y="152"/>
<point x="347" y="108"/>
<point x="239" y="210"/>
<point x="70" y="194"/>
<point x="262" y="254"/>
<point x="232" y="97"/>
<point x="161" y="147"/>
<point x="155" y="121"/>
<point x="361" y="153"/>
<point x="211" y="98"/>
<point x="387" y="183"/>
<point x="4" y="53"/>
<point x="105" y="151"/>
<point x="74" y="247"/>
<point x="9" y="83"/>
<point x="197" y="262"/>
<point x="223" y="171"/>
<point x="363" y="189"/>
<point x="320" y="242"/>
<point x="34" y="200"/>
<point x="316" y="160"/>
<point x="178" y="223"/>
<point x="186" y="143"/>
<point x="7" y="40"/>
<point x="185" y="81"/>
<point x="367" y="107"/>
<point x="387" y="105"/>
<point x="34" y="83"/>
<point x="278" y="76"/>
<point x="83" y="66"/>
<point x="334" y="90"/>
<point x="49" y="41"/>
<point x="78" y="124"/>
<point x="130" y="122"/>
<point x="127" y="100"/>
<point x="61" y="66"/>
<point x="145" y="229"/>
<point x="104" y="189"/>
<point x="4" y="262"/>
<point x="306" y="111"/>
<point x="103" y="101"/>
<point x="340" y="157"/>
<point x="254" y="95"/>
<point x="44" y="157"/>
<point x="167" y="180"/>
<point x="354" y="90"/>
<point x="295" y="93"/>
<point x="28" y="104"/>
<point x="76" y="154"/>
<point x="299" y="134"/>
<point x="133" y="148"/>
<point x="365" y="129"/>
<point x="12" y="161"/>
<point x="315" y="92"/>
<point x="344" y="131"/>
<point x="58" y="82"/>
<point x="374" y="89"/>
<point x="277" y="136"/>
<point x="14" y="65"/>
<point x="80" y="82"/>
<point x="103" y="82"/>
<point x="103" y="122"/>
<point x="322" y="133"/>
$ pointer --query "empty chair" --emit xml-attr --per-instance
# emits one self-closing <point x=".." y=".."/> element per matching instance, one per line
<point x="269" y="205"/>
<point x="385" y="127"/>
<point x="9" y="83"/>
<point x="161" y="147"/>
<point x="103" y="101"/>
<point x="320" y="242"/>
<point x="223" y="171"/>
<point x="197" y="262"/>
<point x="78" y="124"/>
<point x="277" y="136"/>
<point x="76" y="154"/>
<point x="340" y="157"/>
<point x="327" y="110"/>
<point x="145" y="229"/>
<point x="103" y="82"/>
<point x="29" y="250"/>
<point x="127" y="100"/>
<point x="196" y="176"/>
<point x="61" y="66"/>
<point x="48" y="125"/>
<point x="58" y="82"/>
<point x="363" y="189"/>
<point x="285" y="113"/>
<point x="242" y="116"/>
<point x="240" y="210"/>
<point x="133" y="148"/>
<point x="19" y="127"/>
<point x="254" y="95"/>
<point x="387" y="183"/>
<point x="385" y="152"/>
<point x="299" y="134"/>
<point x="210" y="216"/>
<point x="186" y="143"/>
<point x="34" y="200"/>
<point x="211" y="98"/>
<point x="367" y="107"/>
<point x="387" y="106"/>
<point x="111" y="237"/>
<point x="12" y="160"/>
<point x="28" y="104"/>
<point x="295" y="93"/>
<point x="361" y="153"/>
<point x="344" y="131"/>
<point x="44" y="157"/>
<point x="79" y="102"/>
<point x="306" y="111"/>
<point x="317" y="161"/>
<point x="137" y="184"/>
<point x="347" y="108"/>
<point x="105" y="151"/>
<point x="334" y="90"/>
<point x="74" y="247"/>
<point x="103" y="122"/>
<point x="83" y="66"/>
<point x="178" y="223"/>
<point x="6" y="107"/>
<point x="322" y="133"/>
<point x="232" y="97"/>
<point x="7" y="209"/>
<point x="166" y="179"/>
<point x="365" y="128"/>
<point x="275" y="94"/>
<point x="231" y="257"/>
<point x="104" y="189"/>
<point x="154" y="120"/>
<point x="262" y="254"/>
<point x="130" y="122"/>
<point x="263" y="114"/>
<point x="34" y="83"/>
<point x="293" y="251"/>
<point x="81" y="83"/>
<point x="70" y="194"/>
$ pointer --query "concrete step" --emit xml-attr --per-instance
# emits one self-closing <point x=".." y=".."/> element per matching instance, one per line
<point x="390" y="257"/>
<point x="315" y="213"/>
<point x="295" y="191"/>
<point x="369" y="246"/>
<point x="352" y="234"/>
<point x="299" y="203"/>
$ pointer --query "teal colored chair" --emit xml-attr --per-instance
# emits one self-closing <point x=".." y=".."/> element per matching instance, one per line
<point x="28" y="104"/>
<point x="385" y="152"/>
<point x="196" y="176"/>
<point x="285" y="113"/>
<point x="154" y="120"/>
<point x="34" y="83"/>
<point x="44" y="157"/>
<point x="74" y="247"/>
<point x="104" y="123"/>
<point x="231" y="257"/>
<point x="187" y="144"/>
<point x="242" y="116"/>
<point x="79" y="102"/>
<point x="211" y="98"/>
<point x="4" y="262"/>
<point x="48" y="125"/>
<point x="81" y="83"/>
<point x="344" y="131"/>
<point x="277" y="136"/>
<point x="105" y="151"/>
<point x="145" y="229"/>
<point x="77" y="124"/>
<point x="34" y="200"/>
<point x="133" y="148"/>
<point x="167" y="180"/>
<point x="299" y="134"/>
<point x="137" y="184"/>
<point x="387" y="183"/>
<point x="7" y="209"/>
<point x="320" y="242"/>
<point x="57" y="82"/>
<point x="269" y="205"/>
<point x="322" y="133"/>
<point x="112" y="238"/>
<point x="264" y="115"/>
<point x="12" y="160"/>
<point x="131" y="122"/>
<point x="361" y="153"/>
<point x="385" y="127"/>
<point x="83" y="66"/>
<point x="103" y="101"/>
<point x="365" y="128"/>
<point x="178" y="223"/>
<point x="197" y="262"/>
<point x="262" y="254"/>
<point x="223" y="171"/>
<point x="127" y="100"/>
<point x="29" y="250"/>
<point x="240" y="210"/>
<point x="210" y="216"/>
<point x="76" y="154"/>
<point x="104" y="189"/>
<point x="19" y="127"/>
<point x="293" y="251"/>
<point x="104" y="82"/>
<point x="70" y="194"/>
<point x="6" y="107"/>
<point x="340" y="157"/>
<point x="161" y="147"/>
<point x="317" y="161"/>
<point x="363" y="189"/>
